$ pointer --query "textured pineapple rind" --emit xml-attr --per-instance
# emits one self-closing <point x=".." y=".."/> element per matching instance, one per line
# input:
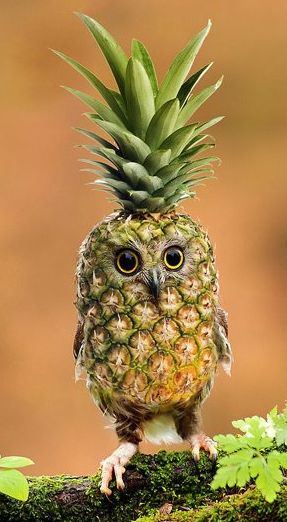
<point x="133" y="351"/>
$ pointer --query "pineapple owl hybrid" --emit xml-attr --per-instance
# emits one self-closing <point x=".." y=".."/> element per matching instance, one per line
<point x="150" y="332"/>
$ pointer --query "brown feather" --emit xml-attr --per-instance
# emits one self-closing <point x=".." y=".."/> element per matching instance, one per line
<point x="79" y="337"/>
<point x="222" y="319"/>
<point x="221" y="339"/>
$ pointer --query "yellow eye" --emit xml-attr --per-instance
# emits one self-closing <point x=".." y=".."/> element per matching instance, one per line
<point x="127" y="262"/>
<point x="173" y="258"/>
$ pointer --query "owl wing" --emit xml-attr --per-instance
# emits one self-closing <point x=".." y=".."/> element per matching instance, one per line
<point x="79" y="337"/>
<point x="77" y="349"/>
<point x="221" y="339"/>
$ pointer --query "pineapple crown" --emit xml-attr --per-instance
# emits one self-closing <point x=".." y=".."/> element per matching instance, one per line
<point x="152" y="162"/>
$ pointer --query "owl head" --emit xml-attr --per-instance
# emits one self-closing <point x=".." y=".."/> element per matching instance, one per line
<point x="152" y="253"/>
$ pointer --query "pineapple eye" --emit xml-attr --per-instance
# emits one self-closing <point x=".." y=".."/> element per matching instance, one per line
<point x="127" y="262"/>
<point x="173" y="258"/>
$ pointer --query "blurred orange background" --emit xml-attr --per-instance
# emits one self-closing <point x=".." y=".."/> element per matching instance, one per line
<point x="47" y="209"/>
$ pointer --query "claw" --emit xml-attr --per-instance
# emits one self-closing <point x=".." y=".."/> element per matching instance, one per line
<point x="115" y="465"/>
<point x="105" y="490"/>
<point x="206" y="443"/>
<point x="195" y="462"/>
<point x="213" y="467"/>
<point x="119" y="471"/>
<point x="107" y="475"/>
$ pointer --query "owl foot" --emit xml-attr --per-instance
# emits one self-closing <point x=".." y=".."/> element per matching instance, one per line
<point x="115" y="463"/>
<point x="206" y="443"/>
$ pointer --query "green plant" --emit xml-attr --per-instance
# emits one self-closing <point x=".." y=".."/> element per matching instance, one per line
<point x="12" y="481"/>
<point x="257" y="454"/>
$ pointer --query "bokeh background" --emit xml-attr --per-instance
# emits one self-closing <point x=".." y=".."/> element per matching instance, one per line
<point x="47" y="209"/>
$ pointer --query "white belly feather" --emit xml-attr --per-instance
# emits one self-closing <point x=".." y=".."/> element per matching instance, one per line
<point x="161" y="430"/>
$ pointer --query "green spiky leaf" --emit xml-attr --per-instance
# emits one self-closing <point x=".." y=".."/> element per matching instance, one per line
<point x="140" y="99"/>
<point x="134" y="174"/>
<point x="96" y="137"/>
<point x="100" y="151"/>
<point x="140" y="52"/>
<point x="162" y="124"/>
<point x="105" y="171"/>
<point x="112" y="51"/>
<point x="179" y="195"/>
<point x="180" y="68"/>
<point x="131" y="146"/>
<point x="178" y="140"/>
<point x="102" y="110"/>
<point x="184" y="178"/>
<point x="203" y="126"/>
<point x="168" y="172"/>
<point x="187" y="155"/>
<point x="153" y="204"/>
<point x="138" y="196"/>
<point x="195" y="102"/>
<point x="106" y="93"/>
<point x="108" y="154"/>
<point x="156" y="160"/>
<point x="188" y="86"/>
<point x="195" y="140"/>
<point x="153" y="163"/>
<point x="101" y="164"/>
<point x="119" y="185"/>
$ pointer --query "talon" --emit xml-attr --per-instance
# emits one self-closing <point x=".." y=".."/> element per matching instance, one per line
<point x="213" y="466"/>
<point x="119" y="470"/>
<point x="195" y="453"/>
<point x="115" y="465"/>
<point x="201" y="441"/>
<point x="120" y="485"/>
<point x="106" y="491"/>
<point x="195" y="462"/>
<point x="107" y="474"/>
<point x="213" y="457"/>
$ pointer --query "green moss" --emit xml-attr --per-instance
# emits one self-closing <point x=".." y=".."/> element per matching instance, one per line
<point x="151" y="481"/>
<point x="245" y="507"/>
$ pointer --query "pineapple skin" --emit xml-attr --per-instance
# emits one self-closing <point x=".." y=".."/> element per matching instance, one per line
<point x="140" y="354"/>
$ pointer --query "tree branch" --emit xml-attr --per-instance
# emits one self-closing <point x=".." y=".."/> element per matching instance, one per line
<point x="166" y="481"/>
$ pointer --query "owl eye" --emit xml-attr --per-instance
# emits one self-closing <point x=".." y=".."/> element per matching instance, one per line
<point x="173" y="258"/>
<point x="127" y="262"/>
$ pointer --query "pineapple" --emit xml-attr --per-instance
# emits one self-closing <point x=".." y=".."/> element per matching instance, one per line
<point x="150" y="331"/>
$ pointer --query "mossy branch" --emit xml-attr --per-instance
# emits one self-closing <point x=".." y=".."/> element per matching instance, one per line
<point x="152" y="481"/>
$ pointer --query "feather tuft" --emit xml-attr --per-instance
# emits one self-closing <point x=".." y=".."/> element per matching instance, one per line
<point x="161" y="430"/>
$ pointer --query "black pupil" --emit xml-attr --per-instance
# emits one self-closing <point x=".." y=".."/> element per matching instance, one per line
<point x="127" y="261"/>
<point x="173" y="257"/>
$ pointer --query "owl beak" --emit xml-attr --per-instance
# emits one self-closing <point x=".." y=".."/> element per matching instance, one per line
<point x="154" y="282"/>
